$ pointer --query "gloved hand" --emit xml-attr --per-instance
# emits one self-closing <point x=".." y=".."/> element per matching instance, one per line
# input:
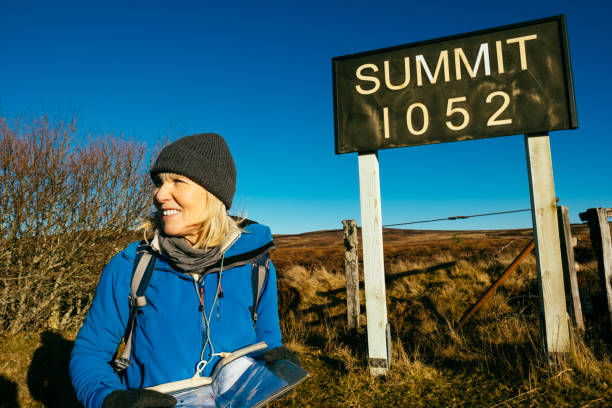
<point x="139" y="398"/>
<point x="280" y="353"/>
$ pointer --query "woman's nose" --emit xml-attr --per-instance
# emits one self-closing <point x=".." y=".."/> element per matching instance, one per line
<point x="163" y="193"/>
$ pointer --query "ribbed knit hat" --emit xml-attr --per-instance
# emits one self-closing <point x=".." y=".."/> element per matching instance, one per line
<point x="205" y="159"/>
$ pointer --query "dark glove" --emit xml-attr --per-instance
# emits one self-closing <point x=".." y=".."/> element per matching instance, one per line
<point x="139" y="398"/>
<point x="280" y="353"/>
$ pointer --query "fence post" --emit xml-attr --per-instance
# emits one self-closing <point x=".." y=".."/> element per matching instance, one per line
<point x="554" y="324"/>
<point x="351" y="270"/>
<point x="572" y="294"/>
<point x="602" y="244"/>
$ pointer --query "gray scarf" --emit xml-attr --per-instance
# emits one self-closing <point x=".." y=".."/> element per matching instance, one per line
<point x="184" y="257"/>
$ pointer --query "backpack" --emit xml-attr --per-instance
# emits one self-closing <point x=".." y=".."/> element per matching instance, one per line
<point x="144" y="264"/>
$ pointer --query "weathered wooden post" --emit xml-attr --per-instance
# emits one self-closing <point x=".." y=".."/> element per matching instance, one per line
<point x="572" y="294"/>
<point x="602" y="244"/>
<point x="373" y="265"/>
<point x="554" y="324"/>
<point x="351" y="270"/>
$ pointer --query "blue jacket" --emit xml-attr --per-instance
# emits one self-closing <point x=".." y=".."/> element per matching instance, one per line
<point x="169" y="331"/>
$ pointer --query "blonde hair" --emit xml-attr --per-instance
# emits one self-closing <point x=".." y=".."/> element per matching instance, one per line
<point x="213" y="231"/>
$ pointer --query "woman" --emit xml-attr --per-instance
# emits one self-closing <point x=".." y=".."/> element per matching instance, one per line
<point x="200" y="292"/>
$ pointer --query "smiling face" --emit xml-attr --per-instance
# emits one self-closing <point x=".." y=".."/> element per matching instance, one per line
<point x="181" y="204"/>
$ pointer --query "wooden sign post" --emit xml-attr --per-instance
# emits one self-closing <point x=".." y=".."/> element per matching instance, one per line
<point x="509" y="80"/>
<point x="373" y="265"/>
<point x="555" y="326"/>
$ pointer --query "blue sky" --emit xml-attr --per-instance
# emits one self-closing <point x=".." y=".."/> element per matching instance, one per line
<point x="259" y="73"/>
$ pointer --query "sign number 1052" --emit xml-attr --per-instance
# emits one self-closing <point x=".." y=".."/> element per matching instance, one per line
<point x="458" y="116"/>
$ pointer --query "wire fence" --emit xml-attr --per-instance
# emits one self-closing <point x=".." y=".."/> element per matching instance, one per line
<point x="457" y="217"/>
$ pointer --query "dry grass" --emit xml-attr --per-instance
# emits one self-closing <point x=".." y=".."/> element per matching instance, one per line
<point x="495" y="361"/>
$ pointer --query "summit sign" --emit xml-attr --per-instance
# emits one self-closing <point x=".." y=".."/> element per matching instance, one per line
<point x="502" y="81"/>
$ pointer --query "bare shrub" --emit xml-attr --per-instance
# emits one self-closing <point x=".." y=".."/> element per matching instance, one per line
<point x="66" y="205"/>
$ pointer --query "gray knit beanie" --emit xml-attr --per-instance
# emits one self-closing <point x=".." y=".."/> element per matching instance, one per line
<point x="205" y="159"/>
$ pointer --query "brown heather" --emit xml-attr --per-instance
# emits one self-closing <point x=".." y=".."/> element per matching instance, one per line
<point x="68" y="207"/>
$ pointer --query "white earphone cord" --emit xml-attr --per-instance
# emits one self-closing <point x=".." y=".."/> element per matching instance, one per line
<point x="206" y="323"/>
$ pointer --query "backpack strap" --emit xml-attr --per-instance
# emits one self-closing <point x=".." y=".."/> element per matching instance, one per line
<point x="259" y="273"/>
<point x="144" y="263"/>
